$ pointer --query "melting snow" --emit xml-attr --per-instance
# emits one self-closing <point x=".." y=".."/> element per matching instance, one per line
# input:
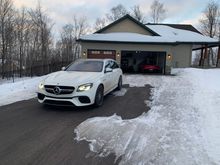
<point x="182" y="126"/>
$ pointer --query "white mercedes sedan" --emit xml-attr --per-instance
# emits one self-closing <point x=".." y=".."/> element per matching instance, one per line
<point x="82" y="83"/>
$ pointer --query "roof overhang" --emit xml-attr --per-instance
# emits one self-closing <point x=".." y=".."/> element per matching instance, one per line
<point x="198" y="44"/>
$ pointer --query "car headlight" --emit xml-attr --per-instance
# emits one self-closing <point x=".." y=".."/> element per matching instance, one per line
<point x="41" y="86"/>
<point x="84" y="87"/>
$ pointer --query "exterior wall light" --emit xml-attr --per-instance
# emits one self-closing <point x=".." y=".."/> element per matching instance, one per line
<point x="118" y="54"/>
<point x="169" y="56"/>
<point x="84" y="53"/>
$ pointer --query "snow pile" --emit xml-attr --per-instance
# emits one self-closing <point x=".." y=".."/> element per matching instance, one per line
<point x="22" y="89"/>
<point x="182" y="126"/>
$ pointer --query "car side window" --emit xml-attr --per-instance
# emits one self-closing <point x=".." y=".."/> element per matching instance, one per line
<point x="115" y="65"/>
<point x="108" y="64"/>
<point x="112" y="65"/>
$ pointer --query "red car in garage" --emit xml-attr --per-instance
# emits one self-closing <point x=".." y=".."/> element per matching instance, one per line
<point x="143" y="67"/>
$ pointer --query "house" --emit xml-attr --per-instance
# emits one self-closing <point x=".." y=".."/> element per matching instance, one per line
<point x="130" y="42"/>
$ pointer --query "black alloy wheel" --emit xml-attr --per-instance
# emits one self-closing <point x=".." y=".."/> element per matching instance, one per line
<point x="119" y="83"/>
<point x="99" y="96"/>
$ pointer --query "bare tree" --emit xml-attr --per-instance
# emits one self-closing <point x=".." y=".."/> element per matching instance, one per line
<point x="100" y="23"/>
<point x="210" y="20"/>
<point x="41" y="33"/>
<point x="158" y="12"/>
<point x="70" y="49"/>
<point x="80" y="26"/>
<point x="67" y="41"/>
<point x="116" y="13"/>
<point x="137" y="13"/>
<point x="6" y="28"/>
<point x="22" y="32"/>
<point x="209" y="25"/>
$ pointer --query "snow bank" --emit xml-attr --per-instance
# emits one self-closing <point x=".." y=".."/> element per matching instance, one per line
<point x="22" y="89"/>
<point x="182" y="126"/>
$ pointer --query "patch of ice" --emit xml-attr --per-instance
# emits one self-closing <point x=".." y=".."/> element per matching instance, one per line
<point x="121" y="92"/>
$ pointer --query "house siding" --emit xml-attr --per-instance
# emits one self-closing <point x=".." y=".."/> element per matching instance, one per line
<point x="180" y="54"/>
<point x="127" y="26"/>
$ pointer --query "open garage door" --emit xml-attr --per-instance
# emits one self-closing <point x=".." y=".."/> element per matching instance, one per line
<point x="101" y="54"/>
<point x="143" y="61"/>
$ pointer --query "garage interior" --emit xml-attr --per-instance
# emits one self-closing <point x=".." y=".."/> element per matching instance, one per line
<point x="131" y="60"/>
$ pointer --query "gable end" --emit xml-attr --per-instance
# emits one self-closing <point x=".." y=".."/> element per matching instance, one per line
<point x="142" y="26"/>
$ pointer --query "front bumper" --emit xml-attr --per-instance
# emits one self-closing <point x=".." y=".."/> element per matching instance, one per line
<point x="75" y="99"/>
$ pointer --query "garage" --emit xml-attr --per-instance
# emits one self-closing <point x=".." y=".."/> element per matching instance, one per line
<point x="101" y="54"/>
<point x="143" y="61"/>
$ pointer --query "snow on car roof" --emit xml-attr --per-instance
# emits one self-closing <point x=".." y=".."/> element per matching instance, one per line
<point x="167" y="35"/>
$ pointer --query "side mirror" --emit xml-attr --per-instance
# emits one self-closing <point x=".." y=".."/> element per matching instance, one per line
<point x="107" y="70"/>
<point x="63" y="68"/>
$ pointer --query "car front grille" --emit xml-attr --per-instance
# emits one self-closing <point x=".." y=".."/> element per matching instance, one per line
<point x="59" y="90"/>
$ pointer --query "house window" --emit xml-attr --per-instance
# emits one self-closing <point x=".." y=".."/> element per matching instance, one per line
<point x="107" y="52"/>
<point x="95" y="52"/>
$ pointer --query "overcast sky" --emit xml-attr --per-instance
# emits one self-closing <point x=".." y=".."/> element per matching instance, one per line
<point x="62" y="11"/>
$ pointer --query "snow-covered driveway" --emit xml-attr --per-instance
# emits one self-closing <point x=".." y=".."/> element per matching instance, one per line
<point x="182" y="127"/>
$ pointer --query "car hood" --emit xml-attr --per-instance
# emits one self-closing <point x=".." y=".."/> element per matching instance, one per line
<point x="71" y="78"/>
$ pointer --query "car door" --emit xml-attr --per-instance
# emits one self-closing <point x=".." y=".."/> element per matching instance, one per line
<point x="107" y="77"/>
<point x="116" y="74"/>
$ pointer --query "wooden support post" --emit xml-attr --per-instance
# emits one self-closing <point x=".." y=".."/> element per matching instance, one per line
<point x="205" y="61"/>
<point x="201" y="58"/>
<point x="218" y="58"/>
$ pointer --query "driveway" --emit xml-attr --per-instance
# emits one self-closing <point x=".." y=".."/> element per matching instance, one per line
<point x="34" y="134"/>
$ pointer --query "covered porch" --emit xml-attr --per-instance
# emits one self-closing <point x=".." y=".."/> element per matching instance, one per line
<point x="205" y="51"/>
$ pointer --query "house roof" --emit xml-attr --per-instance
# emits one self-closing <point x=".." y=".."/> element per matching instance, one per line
<point x="163" y="34"/>
<point x="179" y="26"/>
<point x="168" y="35"/>
<point x="127" y="16"/>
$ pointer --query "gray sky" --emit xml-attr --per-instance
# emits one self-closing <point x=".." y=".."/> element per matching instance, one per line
<point x="62" y="11"/>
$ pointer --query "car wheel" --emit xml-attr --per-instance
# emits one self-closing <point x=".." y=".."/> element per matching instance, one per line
<point x="99" y="96"/>
<point x="119" y="83"/>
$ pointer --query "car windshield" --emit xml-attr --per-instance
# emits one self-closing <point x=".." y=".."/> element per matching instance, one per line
<point x="86" y="66"/>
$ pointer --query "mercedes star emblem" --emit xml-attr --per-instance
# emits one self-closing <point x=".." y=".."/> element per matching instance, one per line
<point x="56" y="90"/>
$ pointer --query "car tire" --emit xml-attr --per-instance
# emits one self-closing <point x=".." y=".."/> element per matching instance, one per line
<point x="99" y="96"/>
<point x="119" y="83"/>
